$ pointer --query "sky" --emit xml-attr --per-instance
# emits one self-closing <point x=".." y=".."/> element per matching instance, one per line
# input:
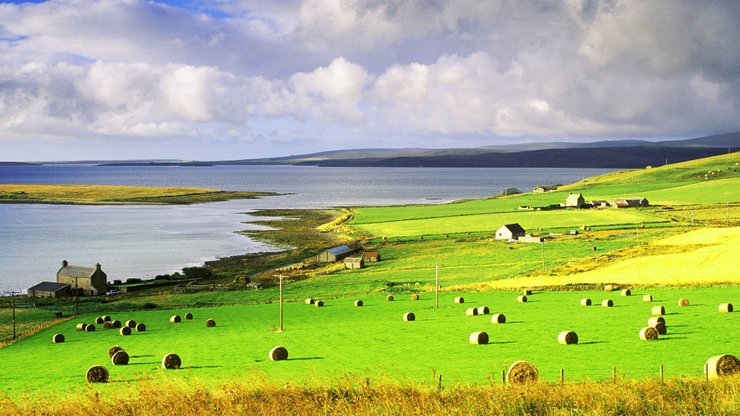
<point x="235" y="79"/>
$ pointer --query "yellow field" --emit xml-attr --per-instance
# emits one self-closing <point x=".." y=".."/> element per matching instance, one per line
<point x="711" y="256"/>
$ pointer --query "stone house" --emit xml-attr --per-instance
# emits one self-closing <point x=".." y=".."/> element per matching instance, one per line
<point x="90" y="281"/>
<point x="510" y="232"/>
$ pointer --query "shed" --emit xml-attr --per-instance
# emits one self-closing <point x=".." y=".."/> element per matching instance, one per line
<point x="335" y="254"/>
<point x="49" y="290"/>
<point x="531" y="239"/>
<point x="544" y="188"/>
<point x="87" y="280"/>
<point x="372" y="256"/>
<point x="575" y="201"/>
<point x="510" y="232"/>
<point x="631" y="202"/>
<point x="354" y="263"/>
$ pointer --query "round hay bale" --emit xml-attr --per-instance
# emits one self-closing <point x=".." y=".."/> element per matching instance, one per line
<point x="683" y="302"/>
<point x="479" y="338"/>
<point x="57" y="338"/>
<point x="210" y="323"/>
<point x="585" y="302"/>
<point x="648" y="333"/>
<point x="722" y="366"/>
<point x="140" y="327"/>
<point x="107" y="325"/>
<point x="567" y="338"/>
<point x="90" y="328"/>
<point x="657" y="311"/>
<point x="175" y="319"/>
<point x="171" y="362"/>
<point x="120" y="358"/>
<point x="521" y="299"/>
<point x="409" y="316"/>
<point x="131" y="323"/>
<point x="116" y="323"/>
<point x="459" y="299"/>
<point x="498" y="318"/>
<point x="189" y="316"/>
<point x="607" y="303"/>
<point x="389" y="298"/>
<point x="725" y="308"/>
<point x="319" y="303"/>
<point x="527" y="292"/>
<point x="309" y="301"/>
<point x="358" y="303"/>
<point x="113" y="350"/>
<point x="522" y="372"/>
<point x="660" y="327"/>
<point x="97" y="374"/>
<point x="647" y="298"/>
<point x="107" y="318"/>
<point x="610" y="288"/>
<point x="626" y="292"/>
<point x="414" y="296"/>
<point x="656" y="320"/>
<point x="81" y="326"/>
<point x="483" y="310"/>
<point x="471" y="311"/>
<point x="125" y="331"/>
<point x="99" y="320"/>
<point x="278" y="353"/>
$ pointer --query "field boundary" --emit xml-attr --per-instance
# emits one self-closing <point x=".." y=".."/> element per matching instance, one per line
<point x="28" y="332"/>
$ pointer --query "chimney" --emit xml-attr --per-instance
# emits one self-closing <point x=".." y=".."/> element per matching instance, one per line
<point x="65" y="263"/>
<point x="97" y="266"/>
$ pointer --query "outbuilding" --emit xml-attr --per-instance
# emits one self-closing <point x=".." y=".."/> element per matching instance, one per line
<point x="49" y="290"/>
<point x="354" y="263"/>
<point x="510" y="232"/>
<point x="545" y="188"/>
<point x="631" y="203"/>
<point x="335" y="254"/>
<point x="371" y="256"/>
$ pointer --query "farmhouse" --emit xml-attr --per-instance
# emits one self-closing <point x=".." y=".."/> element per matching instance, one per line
<point x="575" y="201"/>
<point x="510" y="232"/>
<point x="547" y="188"/>
<point x="371" y="256"/>
<point x="335" y="254"/>
<point x="354" y="263"/>
<point x="87" y="280"/>
<point x="49" y="290"/>
<point x="631" y="203"/>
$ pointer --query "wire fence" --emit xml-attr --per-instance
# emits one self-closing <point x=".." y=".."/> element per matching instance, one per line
<point x="31" y="331"/>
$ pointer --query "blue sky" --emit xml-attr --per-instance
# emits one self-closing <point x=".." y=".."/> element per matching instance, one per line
<point x="226" y="79"/>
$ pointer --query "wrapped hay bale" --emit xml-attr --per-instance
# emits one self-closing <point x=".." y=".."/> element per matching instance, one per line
<point x="471" y="311"/>
<point x="175" y="319"/>
<point x="647" y="298"/>
<point x="521" y="299"/>
<point x="99" y="320"/>
<point x="107" y="318"/>
<point x="648" y="333"/>
<point x="125" y="331"/>
<point x="656" y="320"/>
<point x="171" y="362"/>
<point x="140" y="327"/>
<point x="567" y="338"/>
<point x="309" y="301"/>
<point x="81" y="326"/>
<point x="319" y="303"/>
<point x="607" y="303"/>
<point x="657" y="311"/>
<point x="113" y="350"/>
<point x="661" y="328"/>
<point x="57" y="338"/>
<point x="459" y="299"/>
<point x="722" y="366"/>
<point x="522" y="372"/>
<point x="483" y="310"/>
<point x="626" y="292"/>
<point x="527" y="292"/>
<point x="683" y="302"/>
<point x="107" y="325"/>
<point x="585" y="302"/>
<point x="414" y="296"/>
<point x="210" y="323"/>
<point x="358" y="303"/>
<point x="116" y="323"/>
<point x="131" y="323"/>
<point x="278" y="353"/>
<point x="90" y="328"/>
<point x="120" y="358"/>
<point x="409" y="316"/>
<point x="498" y="318"/>
<point x="189" y="316"/>
<point x="725" y="308"/>
<point x="389" y="298"/>
<point x="97" y="374"/>
<point x="478" y="338"/>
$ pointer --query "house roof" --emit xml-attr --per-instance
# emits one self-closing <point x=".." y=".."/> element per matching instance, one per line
<point x="371" y="254"/>
<point x="48" y="287"/>
<point x="76" y="271"/>
<point x="338" y="251"/>
<point x="353" y="260"/>
<point x="515" y="228"/>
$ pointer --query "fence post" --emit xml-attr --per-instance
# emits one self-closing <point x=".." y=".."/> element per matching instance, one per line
<point x="439" y="386"/>
<point x="614" y="374"/>
<point x="661" y="373"/>
<point x="562" y="376"/>
<point x="503" y="376"/>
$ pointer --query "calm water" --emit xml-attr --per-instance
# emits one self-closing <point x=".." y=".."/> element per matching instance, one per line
<point x="143" y="241"/>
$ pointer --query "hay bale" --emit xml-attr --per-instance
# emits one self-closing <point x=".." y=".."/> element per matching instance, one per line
<point x="81" y="326"/>
<point x="116" y="323"/>
<point x="648" y="333"/>
<point x="498" y="318"/>
<point x="171" y="362"/>
<point x="479" y="338"/>
<point x="120" y="358"/>
<point x="725" y="308"/>
<point x="647" y="298"/>
<point x="409" y="316"/>
<point x="722" y="366"/>
<point x="210" y="323"/>
<point x="175" y="319"/>
<point x="656" y="320"/>
<point x="309" y="301"/>
<point x="107" y="318"/>
<point x="107" y="325"/>
<point x="278" y="353"/>
<point x="683" y="302"/>
<point x="358" y="303"/>
<point x="585" y="302"/>
<point x="389" y="298"/>
<point x="99" y="320"/>
<point x="57" y="338"/>
<point x="459" y="299"/>
<point x="90" y="328"/>
<point x="319" y="303"/>
<point x="660" y="327"/>
<point x="521" y="299"/>
<point x="522" y="372"/>
<point x="567" y="338"/>
<point x="483" y="310"/>
<point x="189" y="316"/>
<point x="657" y="311"/>
<point x="610" y="288"/>
<point x="140" y="327"/>
<point x="131" y="323"/>
<point x="607" y="303"/>
<point x="471" y="311"/>
<point x="97" y="374"/>
<point x="626" y="292"/>
<point x="414" y="296"/>
<point x="125" y="331"/>
<point x="113" y="350"/>
<point x="527" y="292"/>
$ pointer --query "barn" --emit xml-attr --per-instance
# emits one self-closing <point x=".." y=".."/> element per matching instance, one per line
<point x="510" y="232"/>
<point x="631" y="203"/>
<point x="354" y="263"/>
<point x="49" y="290"/>
<point x="335" y="254"/>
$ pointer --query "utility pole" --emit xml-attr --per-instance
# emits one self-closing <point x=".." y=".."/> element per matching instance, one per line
<point x="77" y="298"/>
<point x="543" y="256"/>
<point x="436" y="286"/>
<point x="12" y="306"/>
<point x="281" y="277"/>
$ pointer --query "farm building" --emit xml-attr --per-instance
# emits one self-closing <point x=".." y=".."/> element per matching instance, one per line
<point x="631" y="203"/>
<point x="531" y="239"/>
<point x="547" y="188"/>
<point x="599" y="203"/>
<point x="575" y="201"/>
<point x="87" y="280"/>
<point x="510" y="232"/>
<point x="335" y="254"/>
<point x="354" y="263"/>
<point x="49" y="290"/>
<point x="372" y="256"/>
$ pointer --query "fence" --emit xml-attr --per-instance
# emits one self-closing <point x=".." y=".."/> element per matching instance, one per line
<point x="28" y="332"/>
